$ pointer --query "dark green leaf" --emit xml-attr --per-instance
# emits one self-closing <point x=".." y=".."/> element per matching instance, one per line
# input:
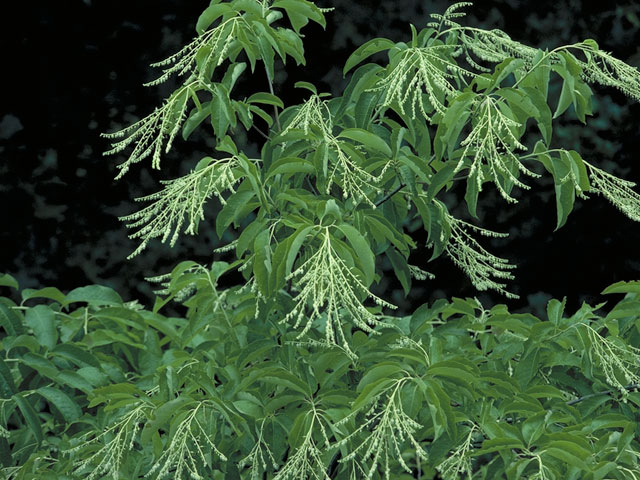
<point x="42" y="320"/>
<point x="366" y="50"/>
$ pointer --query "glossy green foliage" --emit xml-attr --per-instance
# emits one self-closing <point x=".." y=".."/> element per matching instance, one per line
<point x="299" y="371"/>
<point x="94" y="387"/>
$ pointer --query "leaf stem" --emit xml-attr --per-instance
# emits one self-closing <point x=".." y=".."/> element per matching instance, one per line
<point x="390" y="194"/>
<point x="631" y="386"/>
<point x="275" y="108"/>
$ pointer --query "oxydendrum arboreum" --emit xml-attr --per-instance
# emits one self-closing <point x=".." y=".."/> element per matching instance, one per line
<point x="301" y="372"/>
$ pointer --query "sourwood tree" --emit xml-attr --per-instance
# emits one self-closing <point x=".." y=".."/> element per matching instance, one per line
<point x="300" y="371"/>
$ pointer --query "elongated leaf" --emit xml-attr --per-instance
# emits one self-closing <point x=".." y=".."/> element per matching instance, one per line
<point x="262" y="261"/>
<point x="290" y="165"/>
<point x="51" y="293"/>
<point x="366" y="50"/>
<point x="266" y="98"/>
<point x="10" y="321"/>
<point x="401" y="269"/>
<point x="196" y="117"/>
<point x="368" y="139"/>
<point x="30" y="416"/>
<point x="210" y="15"/>
<point x="362" y="250"/>
<point x="42" y="320"/>
<point x="68" y="408"/>
<point x="232" y="210"/>
<point x="7" y="385"/>
<point x="623" y="287"/>
<point x="7" y="280"/>
<point x="298" y="239"/>
<point x="280" y="376"/>
<point x="94" y="295"/>
<point x="300" y="12"/>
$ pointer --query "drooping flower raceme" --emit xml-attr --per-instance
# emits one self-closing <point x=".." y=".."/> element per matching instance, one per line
<point x="329" y="291"/>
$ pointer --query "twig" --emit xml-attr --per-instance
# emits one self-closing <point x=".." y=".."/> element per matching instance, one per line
<point x="275" y="109"/>
<point x="631" y="386"/>
<point x="390" y="194"/>
<point x="261" y="132"/>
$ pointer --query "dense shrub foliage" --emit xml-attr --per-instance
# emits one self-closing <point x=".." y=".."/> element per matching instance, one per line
<point x="300" y="371"/>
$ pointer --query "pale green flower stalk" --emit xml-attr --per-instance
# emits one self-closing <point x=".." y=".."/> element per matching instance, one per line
<point x="493" y="141"/>
<point x="543" y="473"/>
<point x="189" y="447"/>
<point x="614" y="358"/>
<point x="475" y="261"/>
<point x="328" y="286"/>
<point x="388" y="427"/>
<point x="256" y="457"/>
<point x="108" y="459"/>
<point x="216" y="41"/>
<point x="616" y="190"/>
<point x="354" y="178"/>
<point x="493" y="46"/>
<point x="458" y="463"/>
<point x="425" y="69"/>
<point x="306" y="463"/>
<point x="312" y="112"/>
<point x="604" y="69"/>
<point x="183" y="196"/>
<point x="149" y="134"/>
<point x="488" y="45"/>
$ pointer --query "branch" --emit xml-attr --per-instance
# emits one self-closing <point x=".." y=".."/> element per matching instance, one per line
<point x="275" y="109"/>
<point x="631" y="386"/>
<point x="390" y="194"/>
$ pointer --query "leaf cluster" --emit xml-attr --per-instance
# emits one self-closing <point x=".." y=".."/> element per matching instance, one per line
<point x="94" y="387"/>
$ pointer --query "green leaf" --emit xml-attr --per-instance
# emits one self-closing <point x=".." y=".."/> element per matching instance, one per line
<point x="76" y="355"/>
<point x="69" y="409"/>
<point x="233" y="210"/>
<point x="51" y="293"/>
<point x="307" y="86"/>
<point x="472" y="192"/>
<point x="290" y="165"/>
<point x="623" y="287"/>
<point x="42" y="320"/>
<point x="440" y="179"/>
<point x="366" y="50"/>
<point x="7" y="385"/>
<point x="567" y="95"/>
<point x="527" y="366"/>
<point x="368" y="139"/>
<point x="262" y="261"/>
<point x="297" y="239"/>
<point x="96" y="295"/>
<point x="452" y="373"/>
<point x="566" y="454"/>
<point x="196" y="117"/>
<point x="266" y="98"/>
<point x="281" y="377"/>
<point x="7" y="280"/>
<point x="362" y="251"/>
<point x="300" y="12"/>
<point x="497" y="444"/>
<point x="10" y="321"/>
<point x="362" y="79"/>
<point x="222" y="113"/>
<point x="401" y="269"/>
<point x="30" y="416"/>
<point x="364" y="109"/>
<point x="386" y="370"/>
<point x="210" y="15"/>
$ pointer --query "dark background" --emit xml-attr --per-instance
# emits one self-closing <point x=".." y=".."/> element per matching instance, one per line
<point x="76" y="68"/>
